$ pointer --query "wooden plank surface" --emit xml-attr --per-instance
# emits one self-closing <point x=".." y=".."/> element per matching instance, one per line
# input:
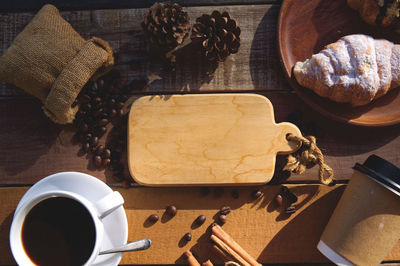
<point x="255" y="67"/>
<point x="21" y="5"/>
<point x="257" y="225"/>
<point x="33" y="147"/>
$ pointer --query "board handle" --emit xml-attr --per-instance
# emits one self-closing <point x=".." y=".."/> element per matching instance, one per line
<point x="285" y="146"/>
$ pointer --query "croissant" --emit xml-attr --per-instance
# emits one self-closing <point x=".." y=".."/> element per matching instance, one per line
<point x="356" y="69"/>
<point x="378" y="12"/>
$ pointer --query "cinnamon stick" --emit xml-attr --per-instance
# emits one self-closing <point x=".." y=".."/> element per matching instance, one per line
<point x="222" y="254"/>
<point x="229" y="250"/>
<point x="227" y="239"/>
<point x="191" y="259"/>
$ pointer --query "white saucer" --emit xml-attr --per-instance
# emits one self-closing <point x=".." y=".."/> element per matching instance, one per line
<point x="93" y="189"/>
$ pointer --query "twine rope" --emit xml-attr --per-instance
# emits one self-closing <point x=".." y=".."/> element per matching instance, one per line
<point x="308" y="154"/>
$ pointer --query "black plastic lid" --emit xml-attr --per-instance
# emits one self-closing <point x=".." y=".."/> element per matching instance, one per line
<point x="382" y="171"/>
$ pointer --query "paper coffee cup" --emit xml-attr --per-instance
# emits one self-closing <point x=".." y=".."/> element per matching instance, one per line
<point x="366" y="222"/>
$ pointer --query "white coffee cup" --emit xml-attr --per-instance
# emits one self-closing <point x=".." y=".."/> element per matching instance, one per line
<point x="97" y="210"/>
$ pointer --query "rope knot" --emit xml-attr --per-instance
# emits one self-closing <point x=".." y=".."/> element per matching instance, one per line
<point x="307" y="156"/>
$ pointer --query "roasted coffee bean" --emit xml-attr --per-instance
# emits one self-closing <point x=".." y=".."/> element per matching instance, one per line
<point x="120" y="112"/>
<point x="96" y="100"/>
<point x="100" y="84"/>
<point x="85" y="147"/>
<point x="97" y="161"/>
<point x="256" y="194"/>
<point x="106" y="154"/>
<point x="235" y="194"/>
<point x="222" y="219"/>
<point x="290" y="210"/>
<point x="200" y="220"/>
<point x="85" y="98"/>
<point x="105" y="162"/>
<point x="113" y="113"/>
<point x="279" y="200"/>
<point x="111" y="102"/>
<point x="225" y="210"/>
<point x="120" y="104"/>
<point x="103" y="122"/>
<point x="99" y="150"/>
<point x="188" y="236"/>
<point x="84" y="127"/>
<point x="100" y="131"/>
<point x="94" y="141"/>
<point x="171" y="210"/>
<point x="98" y="112"/>
<point x="204" y="191"/>
<point x="88" y="136"/>
<point x="87" y="107"/>
<point x="153" y="218"/>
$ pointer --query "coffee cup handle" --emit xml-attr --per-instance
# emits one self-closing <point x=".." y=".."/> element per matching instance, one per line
<point x="108" y="204"/>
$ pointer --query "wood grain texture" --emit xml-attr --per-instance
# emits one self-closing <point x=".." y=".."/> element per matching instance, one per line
<point x="205" y="139"/>
<point x="33" y="147"/>
<point x="255" y="67"/>
<point x="257" y="225"/>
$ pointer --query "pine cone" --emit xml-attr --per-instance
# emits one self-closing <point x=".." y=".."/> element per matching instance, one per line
<point x="219" y="35"/>
<point x="166" y="25"/>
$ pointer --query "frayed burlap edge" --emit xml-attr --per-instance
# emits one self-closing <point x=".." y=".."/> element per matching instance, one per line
<point x="94" y="59"/>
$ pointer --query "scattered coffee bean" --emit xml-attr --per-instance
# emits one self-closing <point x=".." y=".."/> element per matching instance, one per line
<point x="113" y="113"/>
<point x="153" y="218"/>
<point x="106" y="154"/>
<point x="94" y="141"/>
<point x="84" y="128"/>
<point x="256" y="194"/>
<point x="103" y="122"/>
<point x="235" y="194"/>
<point x="279" y="200"/>
<point x="120" y="112"/>
<point x="225" y="210"/>
<point x="97" y="161"/>
<point x="171" y="210"/>
<point x="99" y="150"/>
<point x="105" y="162"/>
<point x="85" y="146"/>
<point x="222" y="219"/>
<point x="290" y="210"/>
<point x="188" y="236"/>
<point x="101" y="131"/>
<point x="200" y="220"/>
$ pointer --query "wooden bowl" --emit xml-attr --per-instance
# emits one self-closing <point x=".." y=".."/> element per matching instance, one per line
<point x="304" y="28"/>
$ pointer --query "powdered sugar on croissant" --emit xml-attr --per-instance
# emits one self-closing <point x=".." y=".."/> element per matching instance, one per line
<point x="356" y="69"/>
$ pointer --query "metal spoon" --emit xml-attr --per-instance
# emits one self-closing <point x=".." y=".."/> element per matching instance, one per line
<point x="141" y="244"/>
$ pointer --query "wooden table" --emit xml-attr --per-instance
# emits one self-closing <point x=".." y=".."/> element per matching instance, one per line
<point x="32" y="147"/>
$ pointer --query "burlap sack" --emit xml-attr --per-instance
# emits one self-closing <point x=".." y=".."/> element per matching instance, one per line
<point x="51" y="61"/>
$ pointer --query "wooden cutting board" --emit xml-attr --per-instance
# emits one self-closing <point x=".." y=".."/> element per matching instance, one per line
<point x="205" y="139"/>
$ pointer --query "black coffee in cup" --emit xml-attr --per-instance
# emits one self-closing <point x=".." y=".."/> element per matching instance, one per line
<point x="58" y="231"/>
